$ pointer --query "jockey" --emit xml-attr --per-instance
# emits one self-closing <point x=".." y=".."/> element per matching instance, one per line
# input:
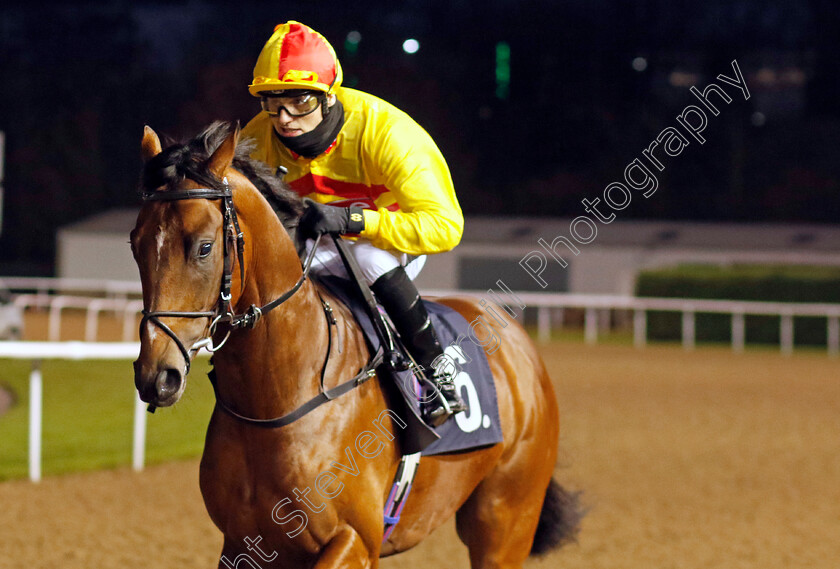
<point x="369" y="171"/>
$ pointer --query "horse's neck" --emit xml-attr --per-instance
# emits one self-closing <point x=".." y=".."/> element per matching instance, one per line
<point x="270" y="369"/>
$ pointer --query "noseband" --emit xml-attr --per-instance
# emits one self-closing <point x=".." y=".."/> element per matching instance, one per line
<point x="234" y="240"/>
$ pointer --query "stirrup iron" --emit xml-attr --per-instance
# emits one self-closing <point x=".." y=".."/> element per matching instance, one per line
<point x="443" y="407"/>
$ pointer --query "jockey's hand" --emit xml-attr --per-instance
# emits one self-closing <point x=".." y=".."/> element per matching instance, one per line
<point x="318" y="219"/>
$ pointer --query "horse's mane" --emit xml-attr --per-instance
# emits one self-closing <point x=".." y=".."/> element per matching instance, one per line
<point x="179" y="161"/>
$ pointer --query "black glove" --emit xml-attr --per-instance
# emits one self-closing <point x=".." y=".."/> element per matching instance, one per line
<point x="318" y="219"/>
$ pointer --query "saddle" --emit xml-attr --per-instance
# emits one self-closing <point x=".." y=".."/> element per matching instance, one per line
<point x="476" y="428"/>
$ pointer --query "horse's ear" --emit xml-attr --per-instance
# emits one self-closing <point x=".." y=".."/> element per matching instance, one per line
<point x="223" y="156"/>
<point x="150" y="145"/>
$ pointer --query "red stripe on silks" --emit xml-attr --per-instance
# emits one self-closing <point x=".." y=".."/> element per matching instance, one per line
<point x="288" y="39"/>
<point x="311" y="183"/>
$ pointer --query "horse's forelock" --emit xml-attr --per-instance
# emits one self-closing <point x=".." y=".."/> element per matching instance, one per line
<point x="161" y="170"/>
<point x="180" y="161"/>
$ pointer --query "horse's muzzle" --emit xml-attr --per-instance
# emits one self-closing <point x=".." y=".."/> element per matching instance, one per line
<point x="158" y="387"/>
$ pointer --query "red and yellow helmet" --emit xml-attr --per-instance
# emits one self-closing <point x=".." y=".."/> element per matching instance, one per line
<point x="296" y="57"/>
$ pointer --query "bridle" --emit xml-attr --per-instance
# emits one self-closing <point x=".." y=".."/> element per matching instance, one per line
<point x="234" y="241"/>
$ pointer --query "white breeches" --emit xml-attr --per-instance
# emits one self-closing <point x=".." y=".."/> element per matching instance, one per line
<point x="373" y="261"/>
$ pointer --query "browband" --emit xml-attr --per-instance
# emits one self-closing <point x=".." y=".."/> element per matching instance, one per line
<point x="197" y="193"/>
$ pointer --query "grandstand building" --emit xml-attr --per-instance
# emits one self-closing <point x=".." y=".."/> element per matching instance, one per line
<point x="492" y="249"/>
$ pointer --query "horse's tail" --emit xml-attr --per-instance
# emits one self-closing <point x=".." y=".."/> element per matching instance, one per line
<point x="559" y="519"/>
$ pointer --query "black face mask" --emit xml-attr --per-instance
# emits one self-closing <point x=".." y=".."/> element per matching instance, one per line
<point x="311" y="144"/>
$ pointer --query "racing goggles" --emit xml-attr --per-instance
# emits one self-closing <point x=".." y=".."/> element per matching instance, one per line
<point x="296" y="103"/>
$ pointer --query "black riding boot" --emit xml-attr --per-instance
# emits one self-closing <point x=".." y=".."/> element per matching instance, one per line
<point x="400" y="299"/>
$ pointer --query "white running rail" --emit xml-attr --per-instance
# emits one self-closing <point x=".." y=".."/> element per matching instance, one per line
<point x="543" y="302"/>
<point x="37" y="351"/>
<point x="592" y="304"/>
<point x="117" y="296"/>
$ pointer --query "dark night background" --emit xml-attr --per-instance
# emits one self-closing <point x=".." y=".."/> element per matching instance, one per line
<point x="80" y="79"/>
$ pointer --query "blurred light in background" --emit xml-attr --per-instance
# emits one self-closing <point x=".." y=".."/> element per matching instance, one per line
<point x="502" y="69"/>
<point x="411" y="45"/>
<point x="639" y="63"/>
<point x="766" y="77"/>
<point x="793" y="76"/>
<point x="682" y="78"/>
<point x="351" y="43"/>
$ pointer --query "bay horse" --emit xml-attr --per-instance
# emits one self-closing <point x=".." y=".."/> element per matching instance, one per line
<point x="187" y="249"/>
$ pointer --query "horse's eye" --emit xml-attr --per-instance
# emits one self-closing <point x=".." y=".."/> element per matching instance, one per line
<point x="204" y="249"/>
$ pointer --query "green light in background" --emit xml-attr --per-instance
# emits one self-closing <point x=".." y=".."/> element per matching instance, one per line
<point x="502" y="69"/>
<point x="351" y="43"/>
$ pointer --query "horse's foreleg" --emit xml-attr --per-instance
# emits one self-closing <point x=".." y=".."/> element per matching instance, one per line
<point x="347" y="550"/>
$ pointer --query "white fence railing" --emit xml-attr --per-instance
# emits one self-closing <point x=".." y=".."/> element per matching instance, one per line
<point x="544" y="304"/>
<point x="37" y="351"/>
<point x="592" y="304"/>
<point x="49" y="285"/>
<point x="92" y="296"/>
<point x="117" y="298"/>
<point x="92" y="307"/>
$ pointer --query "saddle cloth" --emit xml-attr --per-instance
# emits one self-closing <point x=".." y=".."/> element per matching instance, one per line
<point x="479" y="426"/>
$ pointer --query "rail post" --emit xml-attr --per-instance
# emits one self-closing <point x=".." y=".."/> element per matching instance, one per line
<point x="138" y="450"/>
<point x="738" y="332"/>
<point x="544" y="324"/>
<point x="833" y="335"/>
<point x="786" y="333"/>
<point x="56" y="306"/>
<point x="130" y="319"/>
<point x="688" y="329"/>
<point x="640" y="327"/>
<point x="36" y="410"/>
<point x="92" y="319"/>
<point x="591" y="325"/>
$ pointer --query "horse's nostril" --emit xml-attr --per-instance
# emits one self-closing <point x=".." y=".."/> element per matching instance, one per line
<point x="168" y="383"/>
<point x="145" y="389"/>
